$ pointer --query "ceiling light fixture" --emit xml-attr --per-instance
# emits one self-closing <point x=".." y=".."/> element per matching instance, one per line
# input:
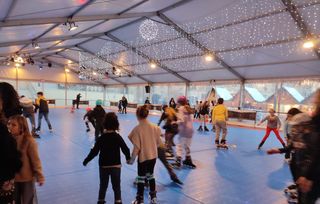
<point x="153" y="64"/>
<point x="67" y="70"/>
<point x="208" y="57"/>
<point x="308" y="44"/>
<point x="35" y="45"/>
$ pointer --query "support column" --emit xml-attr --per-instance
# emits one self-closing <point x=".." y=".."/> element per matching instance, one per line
<point x="65" y="88"/>
<point x="241" y="97"/>
<point x="104" y="95"/>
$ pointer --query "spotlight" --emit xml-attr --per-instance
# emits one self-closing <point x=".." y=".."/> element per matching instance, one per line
<point x="94" y="73"/>
<point x="8" y="63"/>
<point x="17" y="64"/>
<point x="153" y="65"/>
<point x="67" y="70"/>
<point x="308" y="44"/>
<point x="19" y="59"/>
<point x="209" y="57"/>
<point x="35" y="45"/>
<point x="72" y="25"/>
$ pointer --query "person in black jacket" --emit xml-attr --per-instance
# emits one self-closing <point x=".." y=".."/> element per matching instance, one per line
<point x="204" y="111"/>
<point x="124" y="105"/>
<point x="172" y="103"/>
<point x="9" y="155"/>
<point x="98" y="115"/>
<point x="28" y="112"/>
<point x="78" y="100"/>
<point x="42" y="105"/>
<point x="109" y="145"/>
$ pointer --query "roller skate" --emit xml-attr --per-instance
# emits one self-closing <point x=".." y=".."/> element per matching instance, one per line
<point x="291" y="189"/>
<point x="260" y="145"/>
<point x="223" y="145"/>
<point x="200" y="128"/>
<point x="138" y="200"/>
<point x="153" y="197"/>
<point x="188" y="163"/>
<point x="177" y="164"/>
<point x="206" y="129"/>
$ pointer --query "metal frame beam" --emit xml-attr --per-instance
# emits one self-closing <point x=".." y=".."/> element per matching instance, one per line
<point x="297" y="17"/>
<point x="138" y="52"/>
<point x="56" y="25"/>
<point x="11" y="6"/>
<point x="68" y="58"/>
<point x="61" y="20"/>
<point x="199" y="45"/>
<point x="114" y="64"/>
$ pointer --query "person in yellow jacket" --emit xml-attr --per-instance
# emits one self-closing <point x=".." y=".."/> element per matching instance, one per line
<point x="219" y="119"/>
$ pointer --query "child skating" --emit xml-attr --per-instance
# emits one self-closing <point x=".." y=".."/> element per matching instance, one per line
<point x="145" y="138"/>
<point x="219" y="118"/>
<point x="185" y="125"/>
<point x="109" y="145"/>
<point x="273" y="124"/>
<point x="88" y="118"/>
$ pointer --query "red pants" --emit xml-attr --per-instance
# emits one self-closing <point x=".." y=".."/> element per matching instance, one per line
<point x="276" y="132"/>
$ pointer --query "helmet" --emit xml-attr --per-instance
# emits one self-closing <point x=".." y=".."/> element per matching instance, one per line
<point x="88" y="109"/>
<point x="99" y="102"/>
<point x="182" y="100"/>
<point x="300" y="118"/>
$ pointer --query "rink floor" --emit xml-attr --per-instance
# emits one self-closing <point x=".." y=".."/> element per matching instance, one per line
<point x="241" y="174"/>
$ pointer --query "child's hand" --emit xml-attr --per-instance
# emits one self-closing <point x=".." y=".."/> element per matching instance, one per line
<point x="131" y="161"/>
<point x="273" y="151"/>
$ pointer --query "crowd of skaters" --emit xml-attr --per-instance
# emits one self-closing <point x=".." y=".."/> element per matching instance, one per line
<point x="23" y="169"/>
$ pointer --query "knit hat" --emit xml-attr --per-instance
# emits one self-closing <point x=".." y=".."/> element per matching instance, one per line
<point x="88" y="109"/>
<point x="99" y="102"/>
<point x="182" y="100"/>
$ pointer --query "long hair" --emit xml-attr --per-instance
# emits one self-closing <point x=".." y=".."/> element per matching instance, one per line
<point x="10" y="100"/>
<point x="171" y="113"/>
<point x="23" y="126"/>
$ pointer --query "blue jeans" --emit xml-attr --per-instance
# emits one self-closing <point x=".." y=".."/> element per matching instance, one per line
<point x="45" y="115"/>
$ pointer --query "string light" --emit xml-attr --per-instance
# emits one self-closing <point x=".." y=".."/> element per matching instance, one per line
<point x="148" y="29"/>
<point x="249" y="27"/>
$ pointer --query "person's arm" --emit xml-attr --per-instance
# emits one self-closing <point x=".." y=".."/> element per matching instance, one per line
<point x="264" y="119"/>
<point x="278" y="123"/>
<point x="124" y="148"/>
<point x="85" y="115"/>
<point x="163" y="116"/>
<point x="213" y="115"/>
<point x="136" y="146"/>
<point x="35" y="162"/>
<point x="226" y="114"/>
<point x="94" y="152"/>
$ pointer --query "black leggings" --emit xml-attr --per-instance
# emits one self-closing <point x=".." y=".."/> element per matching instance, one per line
<point x="145" y="171"/>
<point x="115" y="174"/>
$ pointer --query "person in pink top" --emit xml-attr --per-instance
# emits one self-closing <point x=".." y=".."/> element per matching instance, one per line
<point x="273" y="124"/>
<point x="185" y="125"/>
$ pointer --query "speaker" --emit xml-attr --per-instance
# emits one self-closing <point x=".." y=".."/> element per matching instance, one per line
<point x="147" y="89"/>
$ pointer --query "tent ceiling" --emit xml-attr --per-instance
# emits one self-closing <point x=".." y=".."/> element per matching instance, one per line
<point x="253" y="38"/>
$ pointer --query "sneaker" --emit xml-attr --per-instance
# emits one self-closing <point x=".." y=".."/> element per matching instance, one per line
<point x="291" y="189"/>
<point x="88" y="130"/>
<point x="206" y="129"/>
<point x="137" y="201"/>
